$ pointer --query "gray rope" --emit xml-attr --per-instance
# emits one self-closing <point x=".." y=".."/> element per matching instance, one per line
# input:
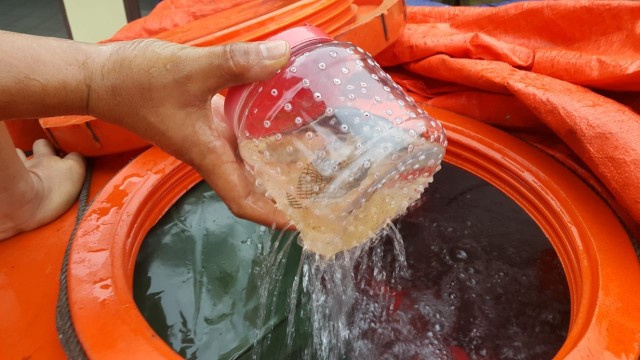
<point x="66" y="332"/>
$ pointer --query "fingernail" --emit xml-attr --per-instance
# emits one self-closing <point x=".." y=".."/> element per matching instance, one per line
<point x="274" y="50"/>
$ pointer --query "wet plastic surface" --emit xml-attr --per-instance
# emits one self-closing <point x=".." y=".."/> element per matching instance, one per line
<point x="194" y="281"/>
<point x="29" y="276"/>
<point x="195" y="284"/>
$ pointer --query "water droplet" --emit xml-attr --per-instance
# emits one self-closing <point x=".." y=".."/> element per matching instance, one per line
<point x="322" y="66"/>
<point x="371" y="62"/>
<point x="401" y="103"/>
<point x="278" y="137"/>
<point x="374" y="76"/>
<point x="351" y="96"/>
<point x="344" y="128"/>
<point x="333" y="53"/>
<point x="317" y="96"/>
<point x="366" y="114"/>
<point x="410" y="148"/>
<point x="363" y="84"/>
<point x="328" y="111"/>
<point x="344" y="70"/>
<point x="386" y="88"/>
<point x="298" y="120"/>
<point x="367" y="164"/>
<point x="337" y="81"/>
<point x="359" y="63"/>
<point x="388" y="112"/>
<point x="461" y="254"/>
<point x="289" y="149"/>
<point x="287" y="107"/>
<point x="363" y="90"/>
<point x="293" y="69"/>
<point x="377" y="99"/>
<point x="412" y="114"/>
<point x="274" y="92"/>
<point x="267" y="123"/>
<point x="306" y="82"/>
<point x="309" y="135"/>
<point x="350" y="50"/>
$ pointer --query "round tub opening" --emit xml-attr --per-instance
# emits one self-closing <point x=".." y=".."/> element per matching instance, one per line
<point x="485" y="282"/>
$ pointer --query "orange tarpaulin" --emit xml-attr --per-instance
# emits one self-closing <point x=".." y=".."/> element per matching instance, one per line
<point x="531" y="65"/>
<point x="169" y="14"/>
<point x="562" y="75"/>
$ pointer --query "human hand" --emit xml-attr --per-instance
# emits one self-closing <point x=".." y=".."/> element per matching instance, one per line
<point x="164" y="93"/>
<point x="47" y="185"/>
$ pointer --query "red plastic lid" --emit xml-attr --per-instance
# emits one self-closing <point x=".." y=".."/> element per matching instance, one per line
<point x="295" y="37"/>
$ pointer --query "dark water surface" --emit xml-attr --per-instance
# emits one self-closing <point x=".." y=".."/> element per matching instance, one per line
<point x="484" y="281"/>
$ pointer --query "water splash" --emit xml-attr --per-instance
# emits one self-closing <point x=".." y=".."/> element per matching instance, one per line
<point x="341" y="297"/>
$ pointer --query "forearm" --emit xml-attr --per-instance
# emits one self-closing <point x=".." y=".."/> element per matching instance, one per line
<point x="42" y="76"/>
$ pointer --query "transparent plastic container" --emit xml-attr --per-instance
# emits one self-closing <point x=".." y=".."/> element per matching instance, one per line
<point x="338" y="145"/>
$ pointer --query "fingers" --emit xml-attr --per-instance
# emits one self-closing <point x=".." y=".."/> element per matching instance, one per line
<point x="235" y="187"/>
<point x="239" y="63"/>
<point x="21" y="155"/>
<point x="76" y="159"/>
<point x="214" y="154"/>
<point x="43" y="147"/>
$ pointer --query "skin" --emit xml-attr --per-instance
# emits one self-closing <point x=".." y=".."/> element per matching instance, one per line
<point x="161" y="91"/>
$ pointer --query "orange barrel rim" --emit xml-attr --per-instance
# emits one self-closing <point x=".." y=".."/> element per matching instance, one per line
<point x="602" y="270"/>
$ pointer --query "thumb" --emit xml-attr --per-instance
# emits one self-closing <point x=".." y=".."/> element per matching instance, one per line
<point x="239" y="63"/>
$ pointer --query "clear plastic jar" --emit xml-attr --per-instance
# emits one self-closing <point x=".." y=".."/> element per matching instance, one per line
<point x="338" y="145"/>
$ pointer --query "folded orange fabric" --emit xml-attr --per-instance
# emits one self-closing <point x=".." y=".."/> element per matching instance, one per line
<point x="530" y="65"/>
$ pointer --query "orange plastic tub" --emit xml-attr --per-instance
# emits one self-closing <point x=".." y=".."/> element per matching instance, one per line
<point x="602" y="270"/>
